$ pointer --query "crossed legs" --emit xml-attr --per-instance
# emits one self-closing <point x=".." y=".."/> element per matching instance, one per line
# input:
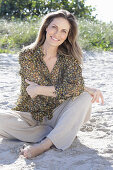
<point x="20" y="125"/>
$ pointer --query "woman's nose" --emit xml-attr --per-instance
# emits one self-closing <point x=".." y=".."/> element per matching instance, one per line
<point x="57" y="34"/>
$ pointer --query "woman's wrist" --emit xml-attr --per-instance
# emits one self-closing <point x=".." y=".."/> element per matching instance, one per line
<point x="46" y="90"/>
<point x="38" y="89"/>
<point x="87" y="89"/>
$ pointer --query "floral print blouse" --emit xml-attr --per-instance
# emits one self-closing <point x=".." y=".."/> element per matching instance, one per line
<point x="66" y="77"/>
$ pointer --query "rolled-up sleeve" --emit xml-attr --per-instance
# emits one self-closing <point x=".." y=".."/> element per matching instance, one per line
<point x="73" y="83"/>
<point x="26" y="65"/>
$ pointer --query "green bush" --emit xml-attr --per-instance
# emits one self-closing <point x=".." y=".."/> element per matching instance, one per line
<point x="96" y="34"/>
<point x="16" y="34"/>
<point x="25" y="8"/>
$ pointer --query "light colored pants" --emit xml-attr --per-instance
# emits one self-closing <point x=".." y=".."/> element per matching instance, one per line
<point x="61" y="129"/>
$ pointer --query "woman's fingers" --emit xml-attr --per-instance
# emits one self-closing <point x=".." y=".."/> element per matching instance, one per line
<point x="25" y="152"/>
<point x="30" y="82"/>
<point x="102" y="98"/>
<point x="96" y="96"/>
<point x="31" y="90"/>
<point x="21" y="151"/>
<point x="27" y="81"/>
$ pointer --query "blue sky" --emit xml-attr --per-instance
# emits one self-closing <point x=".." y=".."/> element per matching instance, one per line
<point x="104" y="9"/>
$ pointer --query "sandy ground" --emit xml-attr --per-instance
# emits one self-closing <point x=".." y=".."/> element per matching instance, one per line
<point x="93" y="149"/>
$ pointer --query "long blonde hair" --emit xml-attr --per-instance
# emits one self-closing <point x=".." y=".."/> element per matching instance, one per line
<point x="70" y="45"/>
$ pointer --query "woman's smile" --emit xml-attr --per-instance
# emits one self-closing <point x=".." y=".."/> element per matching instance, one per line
<point x="54" y="39"/>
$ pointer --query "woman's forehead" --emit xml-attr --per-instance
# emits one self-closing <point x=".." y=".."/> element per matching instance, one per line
<point x="61" y="22"/>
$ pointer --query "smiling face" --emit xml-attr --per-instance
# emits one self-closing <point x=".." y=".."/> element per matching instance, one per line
<point x="57" y="31"/>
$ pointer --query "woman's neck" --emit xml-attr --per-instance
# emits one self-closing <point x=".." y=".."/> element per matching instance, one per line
<point x="49" y="51"/>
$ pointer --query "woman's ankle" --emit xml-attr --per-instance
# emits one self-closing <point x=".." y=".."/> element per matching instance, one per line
<point x="46" y="144"/>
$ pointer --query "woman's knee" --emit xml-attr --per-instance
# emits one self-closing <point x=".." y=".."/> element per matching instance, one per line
<point x="5" y="119"/>
<point x="82" y="101"/>
<point x="86" y="97"/>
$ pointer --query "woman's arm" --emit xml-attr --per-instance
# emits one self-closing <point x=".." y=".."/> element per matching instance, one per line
<point x="72" y="84"/>
<point x="34" y="89"/>
<point x="95" y="93"/>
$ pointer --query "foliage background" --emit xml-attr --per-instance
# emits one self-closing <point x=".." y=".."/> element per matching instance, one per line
<point x="25" y="8"/>
<point x="20" y="21"/>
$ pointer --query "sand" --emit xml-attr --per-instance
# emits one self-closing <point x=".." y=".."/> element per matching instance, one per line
<point x="93" y="148"/>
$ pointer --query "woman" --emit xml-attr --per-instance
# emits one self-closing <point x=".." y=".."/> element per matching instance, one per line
<point x="54" y="103"/>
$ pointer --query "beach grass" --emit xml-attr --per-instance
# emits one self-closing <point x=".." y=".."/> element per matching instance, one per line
<point x="16" y="33"/>
<point x="96" y="35"/>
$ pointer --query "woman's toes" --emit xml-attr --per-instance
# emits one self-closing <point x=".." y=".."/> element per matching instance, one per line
<point x="21" y="151"/>
<point x="27" y="154"/>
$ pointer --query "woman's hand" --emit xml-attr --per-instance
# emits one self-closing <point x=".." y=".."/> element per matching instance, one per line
<point x="96" y="95"/>
<point x="32" y="88"/>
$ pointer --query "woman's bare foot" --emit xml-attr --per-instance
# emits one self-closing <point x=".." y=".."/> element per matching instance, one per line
<point x="37" y="149"/>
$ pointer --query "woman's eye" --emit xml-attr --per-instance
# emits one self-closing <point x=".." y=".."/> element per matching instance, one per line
<point x="53" y="26"/>
<point x="64" y="31"/>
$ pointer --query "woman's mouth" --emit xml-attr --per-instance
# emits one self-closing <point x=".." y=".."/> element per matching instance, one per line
<point x="54" y="39"/>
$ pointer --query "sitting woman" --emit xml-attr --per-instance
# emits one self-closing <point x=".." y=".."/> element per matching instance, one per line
<point x="54" y="102"/>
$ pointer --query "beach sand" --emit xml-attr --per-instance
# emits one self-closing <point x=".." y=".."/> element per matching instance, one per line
<point x="93" y="148"/>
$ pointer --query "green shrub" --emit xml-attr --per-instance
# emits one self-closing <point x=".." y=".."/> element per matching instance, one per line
<point x="16" y="34"/>
<point x="96" y="35"/>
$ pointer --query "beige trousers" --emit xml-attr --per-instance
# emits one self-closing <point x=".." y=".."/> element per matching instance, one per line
<point x="61" y="129"/>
